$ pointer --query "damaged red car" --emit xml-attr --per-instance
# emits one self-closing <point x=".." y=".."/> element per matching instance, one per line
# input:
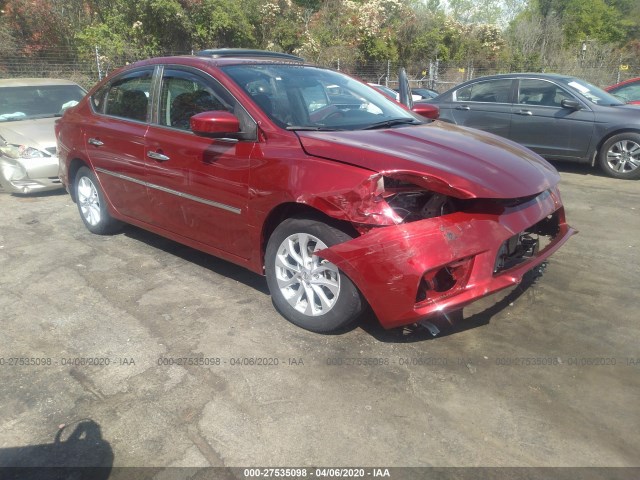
<point x="340" y="196"/>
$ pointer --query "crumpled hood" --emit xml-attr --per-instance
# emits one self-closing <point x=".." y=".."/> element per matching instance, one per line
<point x="475" y="163"/>
<point x="37" y="133"/>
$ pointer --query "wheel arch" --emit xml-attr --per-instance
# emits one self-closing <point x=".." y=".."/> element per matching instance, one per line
<point x="75" y="165"/>
<point x="605" y="138"/>
<point x="287" y="210"/>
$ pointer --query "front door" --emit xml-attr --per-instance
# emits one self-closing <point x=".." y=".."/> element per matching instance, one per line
<point x="198" y="186"/>
<point x="540" y="123"/>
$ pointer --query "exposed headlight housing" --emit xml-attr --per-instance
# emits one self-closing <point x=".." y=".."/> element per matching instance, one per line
<point x="21" y="151"/>
<point x="411" y="202"/>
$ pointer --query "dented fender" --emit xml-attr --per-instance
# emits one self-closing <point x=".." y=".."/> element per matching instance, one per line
<point x="365" y="203"/>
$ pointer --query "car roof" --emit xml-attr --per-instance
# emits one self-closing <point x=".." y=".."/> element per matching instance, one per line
<point x="33" y="82"/>
<point x="550" y="76"/>
<point x="247" y="53"/>
<point x="212" y="59"/>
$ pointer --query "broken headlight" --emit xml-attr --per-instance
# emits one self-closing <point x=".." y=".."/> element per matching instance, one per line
<point x="21" y="151"/>
<point x="411" y="202"/>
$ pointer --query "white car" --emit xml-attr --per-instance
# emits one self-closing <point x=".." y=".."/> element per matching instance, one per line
<point x="28" y="110"/>
<point x="392" y="93"/>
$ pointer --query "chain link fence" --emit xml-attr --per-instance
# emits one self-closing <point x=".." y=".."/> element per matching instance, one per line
<point x="88" y="69"/>
<point x="442" y="76"/>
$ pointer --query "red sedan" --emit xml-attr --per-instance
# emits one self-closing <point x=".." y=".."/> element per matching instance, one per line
<point x="629" y="90"/>
<point x="340" y="200"/>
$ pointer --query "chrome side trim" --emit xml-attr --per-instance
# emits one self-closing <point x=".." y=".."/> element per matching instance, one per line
<point x="211" y="203"/>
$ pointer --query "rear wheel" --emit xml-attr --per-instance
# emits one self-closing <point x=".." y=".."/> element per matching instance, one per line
<point x="619" y="156"/>
<point x="92" y="205"/>
<point x="307" y="290"/>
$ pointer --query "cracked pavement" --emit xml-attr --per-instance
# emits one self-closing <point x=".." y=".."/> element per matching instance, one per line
<point x="469" y="397"/>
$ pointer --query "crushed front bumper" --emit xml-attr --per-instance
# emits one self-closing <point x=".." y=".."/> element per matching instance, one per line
<point x="410" y="271"/>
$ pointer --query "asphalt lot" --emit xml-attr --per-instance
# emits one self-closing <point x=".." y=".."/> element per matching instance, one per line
<point x="547" y="375"/>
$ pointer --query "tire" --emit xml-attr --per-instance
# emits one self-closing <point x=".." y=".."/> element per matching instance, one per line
<point x="92" y="205"/>
<point x="619" y="156"/>
<point x="335" y="303"/>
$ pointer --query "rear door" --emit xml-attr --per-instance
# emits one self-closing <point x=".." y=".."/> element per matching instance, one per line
<point x="485" y="104"/>
<point x="540" y="123"/>
<point x="114" y="140"/>
<point x="199" y="186"/>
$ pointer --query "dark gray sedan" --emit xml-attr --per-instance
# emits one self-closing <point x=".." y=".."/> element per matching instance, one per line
<point x="557" y="116"/>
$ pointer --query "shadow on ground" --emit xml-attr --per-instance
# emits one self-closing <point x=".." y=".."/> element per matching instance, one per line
<point x="578" y="168"/>
<point x="449" y="323"/>
<point x="204" y="260"/>
<point x="81" y="454"/>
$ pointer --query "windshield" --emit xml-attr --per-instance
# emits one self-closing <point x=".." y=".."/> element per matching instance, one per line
<point x="23" y="103"/>
<point x="591" y="92"/>
<point x="309" y="98"/>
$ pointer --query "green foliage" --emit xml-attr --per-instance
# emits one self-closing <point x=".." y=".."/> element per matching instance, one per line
<point x="220" y="23"/>
<point x="592" y="19"/>
<point x="37" y="27"/>
<point x="605" y="21"/>
<point x="314" y="5"/>
<point x="161" y="25"/>
<point x="377" y="49"/>
<point x="525" y="34"/>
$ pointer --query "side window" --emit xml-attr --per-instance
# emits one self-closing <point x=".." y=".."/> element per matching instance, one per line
<point x="491" y="91"/>
<point x="541" y="92"/>
<point x="314" y="97"/>
<point x="128" y="97"/>
<point x="183" y="96"/>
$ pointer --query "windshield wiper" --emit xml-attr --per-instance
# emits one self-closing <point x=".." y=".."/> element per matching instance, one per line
<point x="313" y="129"/>
<point x="393" y="122"/>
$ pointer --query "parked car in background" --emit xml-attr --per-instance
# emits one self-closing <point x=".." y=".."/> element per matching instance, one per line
<point x="28" y="110"/>
<point x="558" y="116"/>
<point x="628" y="91"/>
<point x="389" y="92"/>
<point x="420" y="93"/>
<point x="244" y="155"/>
<point x="395" y="93"/>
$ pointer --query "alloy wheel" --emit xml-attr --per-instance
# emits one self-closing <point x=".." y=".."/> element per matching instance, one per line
<point x="89" y="201"/>
<point x="309" y="284"/>
<point x="624" y="156"/>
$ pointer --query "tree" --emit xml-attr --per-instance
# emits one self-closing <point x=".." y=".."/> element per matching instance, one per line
<point x="220" y="23"/>
<point x="281" y="25"/>
<point x="35" y="26"/>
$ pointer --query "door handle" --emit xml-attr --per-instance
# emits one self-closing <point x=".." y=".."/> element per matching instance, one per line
<point x="95" y="142"/>
<point x="463" y="107"/>
<point x="524" y="112"/>
<point x="158" y="156"/>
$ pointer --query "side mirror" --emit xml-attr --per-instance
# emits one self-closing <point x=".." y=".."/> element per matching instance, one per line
<point x="426" y="110"/>
<point x="214" y="124"/>
<point x="570" y="104"/>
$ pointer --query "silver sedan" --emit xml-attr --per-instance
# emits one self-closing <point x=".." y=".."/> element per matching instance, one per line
<point x="28" y="111"/>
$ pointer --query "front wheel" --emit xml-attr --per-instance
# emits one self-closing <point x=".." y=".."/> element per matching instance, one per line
<point x="308" y="291"/>
<point x="92" y="205"/>
<point x="619" y="156"/>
